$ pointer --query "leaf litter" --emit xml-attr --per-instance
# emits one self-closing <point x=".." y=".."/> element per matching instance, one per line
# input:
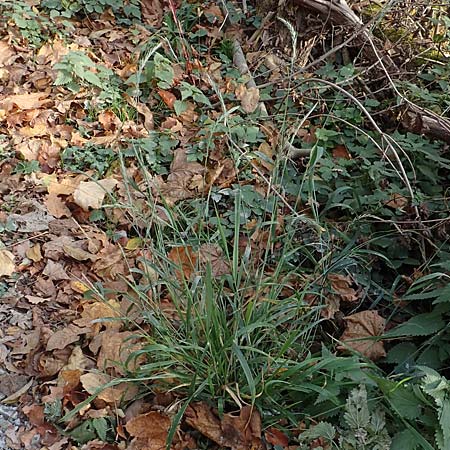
<point x="68" y="345"/>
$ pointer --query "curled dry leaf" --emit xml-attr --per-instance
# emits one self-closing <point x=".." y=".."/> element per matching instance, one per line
<point x="249" y="97"/>
<point x="341" y="286"/>
<point x="7" y="265"/>
<point x="239" y="432"/>
<point x="90" y="194"/>
<point x="360" y="328"/>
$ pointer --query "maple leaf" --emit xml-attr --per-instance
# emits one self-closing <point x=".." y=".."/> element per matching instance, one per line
<point x="359" y="329"/>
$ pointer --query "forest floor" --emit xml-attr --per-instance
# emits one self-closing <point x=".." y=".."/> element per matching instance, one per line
<point x="218" y="232"/>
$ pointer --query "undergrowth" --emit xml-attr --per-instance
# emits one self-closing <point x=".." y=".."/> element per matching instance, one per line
<point x="232" y="286"/>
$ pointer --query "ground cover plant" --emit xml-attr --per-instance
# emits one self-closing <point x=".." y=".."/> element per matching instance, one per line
<point x="224" y="225"/>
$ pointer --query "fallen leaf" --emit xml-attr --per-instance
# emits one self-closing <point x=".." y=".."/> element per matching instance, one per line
<point x="177" y="186"/>
<point x="90" y="194"/>
<point x="276" y="437"/>
<point x="24" y="101"/>
<point x="397" y="201"/>
<point x="55" y="271"/>
<point x="115" y="350"/>
<point x="56" y="207"/>
<point x="212" y="254"/>
<point x="360" y="327"/>
<point x="65" y="186"/>
<point x="152" y="12"/>
<point x="239" y="432"/>
<point x="185" y="259"/>
<point x="341" y="286"/>
<point x="33" y="221"/>
<point x="340" y="151"/>
<point x="94" y="383"/>
<point x="167" y="97"/>
<point x="7" y="265"/>
<point x="78" y="253"/>
<point x="6" y="53"/>
<point x="249" y="97"/>
<point x="109" y="121"/>
<point x="153" y="426"/>
<point x="34" y="253"/>
<point x="148" y="115"/>
<point x="62" y="338"/>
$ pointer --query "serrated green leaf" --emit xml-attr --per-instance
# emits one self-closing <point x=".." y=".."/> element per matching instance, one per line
<point x="405" y="440"/>
<point x="321" y="430"/>
<point x="444" y="421"/>
<point x="420" y="325"/>
<point x="401" y="352"/>
<point x="92" y="78"/>
<point x="357" y="410"/>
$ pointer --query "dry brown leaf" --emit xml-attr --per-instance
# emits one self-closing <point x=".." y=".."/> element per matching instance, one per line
<point x="34" y="253"/>
<point x="182" y="172"/>
<point x="167" y="97"/>
<point x="360" y="327"/>
<point x="62" y="338"/>
<point x="212" y="254"/>
<point x="397" y="201"/>
<point x="340" y="151"/>
<point x="93" y="382"/>
<point x="55" y="271"/>
<point x="331" y="307"/>
<point x="149" y="124"/>
<point x="276" y="437"/>
<point x="153" y="426"/>
<point x="100" y="310"/>
<point x="110" y="263"/>
<point x="152" y="12"/>
<point x="341" y="286"/>
<point x="7" y="266"/>
<point x="249" y="97"/>
<point x="6" y="53"/>
<point x="115" y="350"/>
<point x="239" y="432"/>
<point x="56" y="207"/>
<point x="185" y="259"/>
<point x="24" y="101"/>
<point x="65" y="186"/>
<point x="78" y="253"/>
<point x="109" y="121"/>
<point x="90" y="194"/>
